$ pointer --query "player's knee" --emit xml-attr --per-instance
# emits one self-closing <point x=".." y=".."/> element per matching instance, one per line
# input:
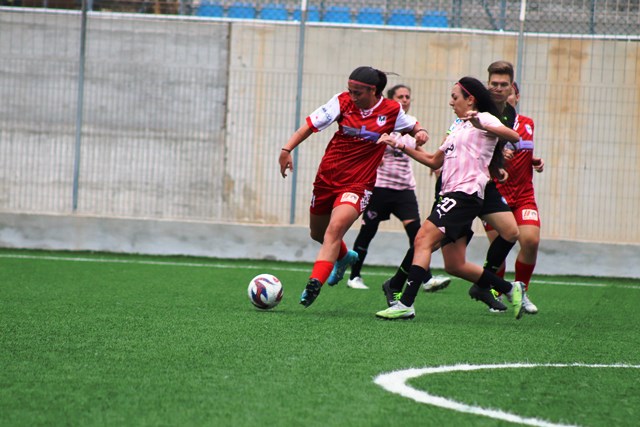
<point x="453" y="269"/>
<point x="510" y="234"/>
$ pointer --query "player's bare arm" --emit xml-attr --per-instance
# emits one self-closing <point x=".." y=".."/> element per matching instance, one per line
<point x="432" y="160"/>
<point x="285" y="159"/>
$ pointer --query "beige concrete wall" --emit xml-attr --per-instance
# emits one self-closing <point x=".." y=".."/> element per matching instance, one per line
<point x="582" y="93"/>
<point x="210" y="153"/>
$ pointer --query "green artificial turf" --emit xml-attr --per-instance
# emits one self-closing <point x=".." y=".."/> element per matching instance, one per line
<point x="106" y="339"/>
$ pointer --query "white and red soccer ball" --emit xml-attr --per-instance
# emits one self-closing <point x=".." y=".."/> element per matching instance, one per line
<point x="265" y="291"/>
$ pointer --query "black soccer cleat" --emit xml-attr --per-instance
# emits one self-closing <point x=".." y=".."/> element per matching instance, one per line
<point x="390" y="295"/>
<point x="311" y="292"/>
<point x="486" y="296"/>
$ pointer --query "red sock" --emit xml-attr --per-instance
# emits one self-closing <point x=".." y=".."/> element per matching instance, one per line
<point x="343" y="250"/>
<point x="524" y="273"/>
<point x="321" y="270"/>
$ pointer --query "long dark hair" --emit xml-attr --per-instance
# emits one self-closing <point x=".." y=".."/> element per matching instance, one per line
<point x="484" y="103"/>
<point x="370" y="76"/>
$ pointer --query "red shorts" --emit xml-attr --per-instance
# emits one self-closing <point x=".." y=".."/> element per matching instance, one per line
<point x="324" y="199"/>
<point x="525" y="214"/>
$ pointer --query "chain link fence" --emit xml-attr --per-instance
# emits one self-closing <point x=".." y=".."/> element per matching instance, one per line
<point x="613" y="17"/>
<point x="183" y="116"/>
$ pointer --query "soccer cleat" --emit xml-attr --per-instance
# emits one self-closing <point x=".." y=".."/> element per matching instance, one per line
<point x="341" y="266"/>
<point x="397" y="311"/>
<point x="528" y="306"/>
<point x="392" y="296"/>
<point x="356" y="283"/>
<point x="436" y="283"/>
<point x="481" y="294"/>
<point x="515" y="297"/>
<point x="311" y="292"/>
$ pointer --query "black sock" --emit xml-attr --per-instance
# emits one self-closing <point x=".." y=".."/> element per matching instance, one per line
<point x="412" y="229"/>
<point x="357" y="267"/>
<point x="489" y="279"/>
<point x="497" y="253"/>
<point x="361" y="245"/>
<point x="398" y="279"/>
<point x="417" y="276"/>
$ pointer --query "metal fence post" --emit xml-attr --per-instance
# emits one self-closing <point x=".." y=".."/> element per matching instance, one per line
<point x="79" y="104"/>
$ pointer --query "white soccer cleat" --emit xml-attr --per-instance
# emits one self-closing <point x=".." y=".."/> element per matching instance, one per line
<point x="356" y="283"/>
<point x="397" y="311"/>
<point x="528" y="306"/>
<point x="436" y="283"/>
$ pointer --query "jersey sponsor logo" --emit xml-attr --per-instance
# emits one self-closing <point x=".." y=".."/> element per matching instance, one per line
<point x="450" y="149"/>
<point x="349" y="198"/>
<point x="529" y="215"/>
<point x="361" y="133"/>
<point x="382" y="120"/>
<point x="327" y="114"/>
<point x="525" y="144"/>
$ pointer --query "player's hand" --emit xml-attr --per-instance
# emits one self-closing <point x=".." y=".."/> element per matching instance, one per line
<point x="385" y="138"/>
<point x="421" y="138"/>
<point x="286" y="162"/>
<point x="472" y="117"/>
<point x="507" y="153"/>
<point x="503" y="175"/>
<point x="538" y="164"/>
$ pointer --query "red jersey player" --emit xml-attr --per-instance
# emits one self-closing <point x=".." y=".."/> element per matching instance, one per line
<point x="347" y="173"/>
<point x="519" y="194"/>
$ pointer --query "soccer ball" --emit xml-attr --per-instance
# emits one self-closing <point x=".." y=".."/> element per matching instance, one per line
<point x="265" y="291"/>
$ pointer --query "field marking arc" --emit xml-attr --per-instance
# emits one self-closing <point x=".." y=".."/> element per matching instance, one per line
<point x="395" y="382"/>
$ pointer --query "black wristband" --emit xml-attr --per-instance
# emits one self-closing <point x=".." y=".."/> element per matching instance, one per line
<point x="285" y="149"/>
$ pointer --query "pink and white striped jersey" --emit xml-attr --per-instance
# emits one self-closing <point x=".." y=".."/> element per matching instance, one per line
<point x="395" y="172"/>
<point x="467" y="154"/>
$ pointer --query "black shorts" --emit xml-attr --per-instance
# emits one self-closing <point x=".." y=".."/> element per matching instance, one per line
<point x="493" y="200"/>
<point x="384" y="202"/>
<point x="455" y="213"/>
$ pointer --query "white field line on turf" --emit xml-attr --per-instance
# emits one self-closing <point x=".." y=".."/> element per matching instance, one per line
<point x="248" y="267"/>
<point x="395" y="382"/>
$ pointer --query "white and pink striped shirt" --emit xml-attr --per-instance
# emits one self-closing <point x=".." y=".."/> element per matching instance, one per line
<point x="395" y="172"/>
<point x="467" y="154"/>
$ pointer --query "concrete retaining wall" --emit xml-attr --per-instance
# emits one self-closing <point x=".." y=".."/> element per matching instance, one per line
<point x="283" y="243"/>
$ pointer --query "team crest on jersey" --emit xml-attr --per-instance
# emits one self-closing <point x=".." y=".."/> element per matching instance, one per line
<point x="382" y="120"/>
<point x="349" y="198"/>
<point x="527" y="126"/>
<point x="529" y="215"/>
